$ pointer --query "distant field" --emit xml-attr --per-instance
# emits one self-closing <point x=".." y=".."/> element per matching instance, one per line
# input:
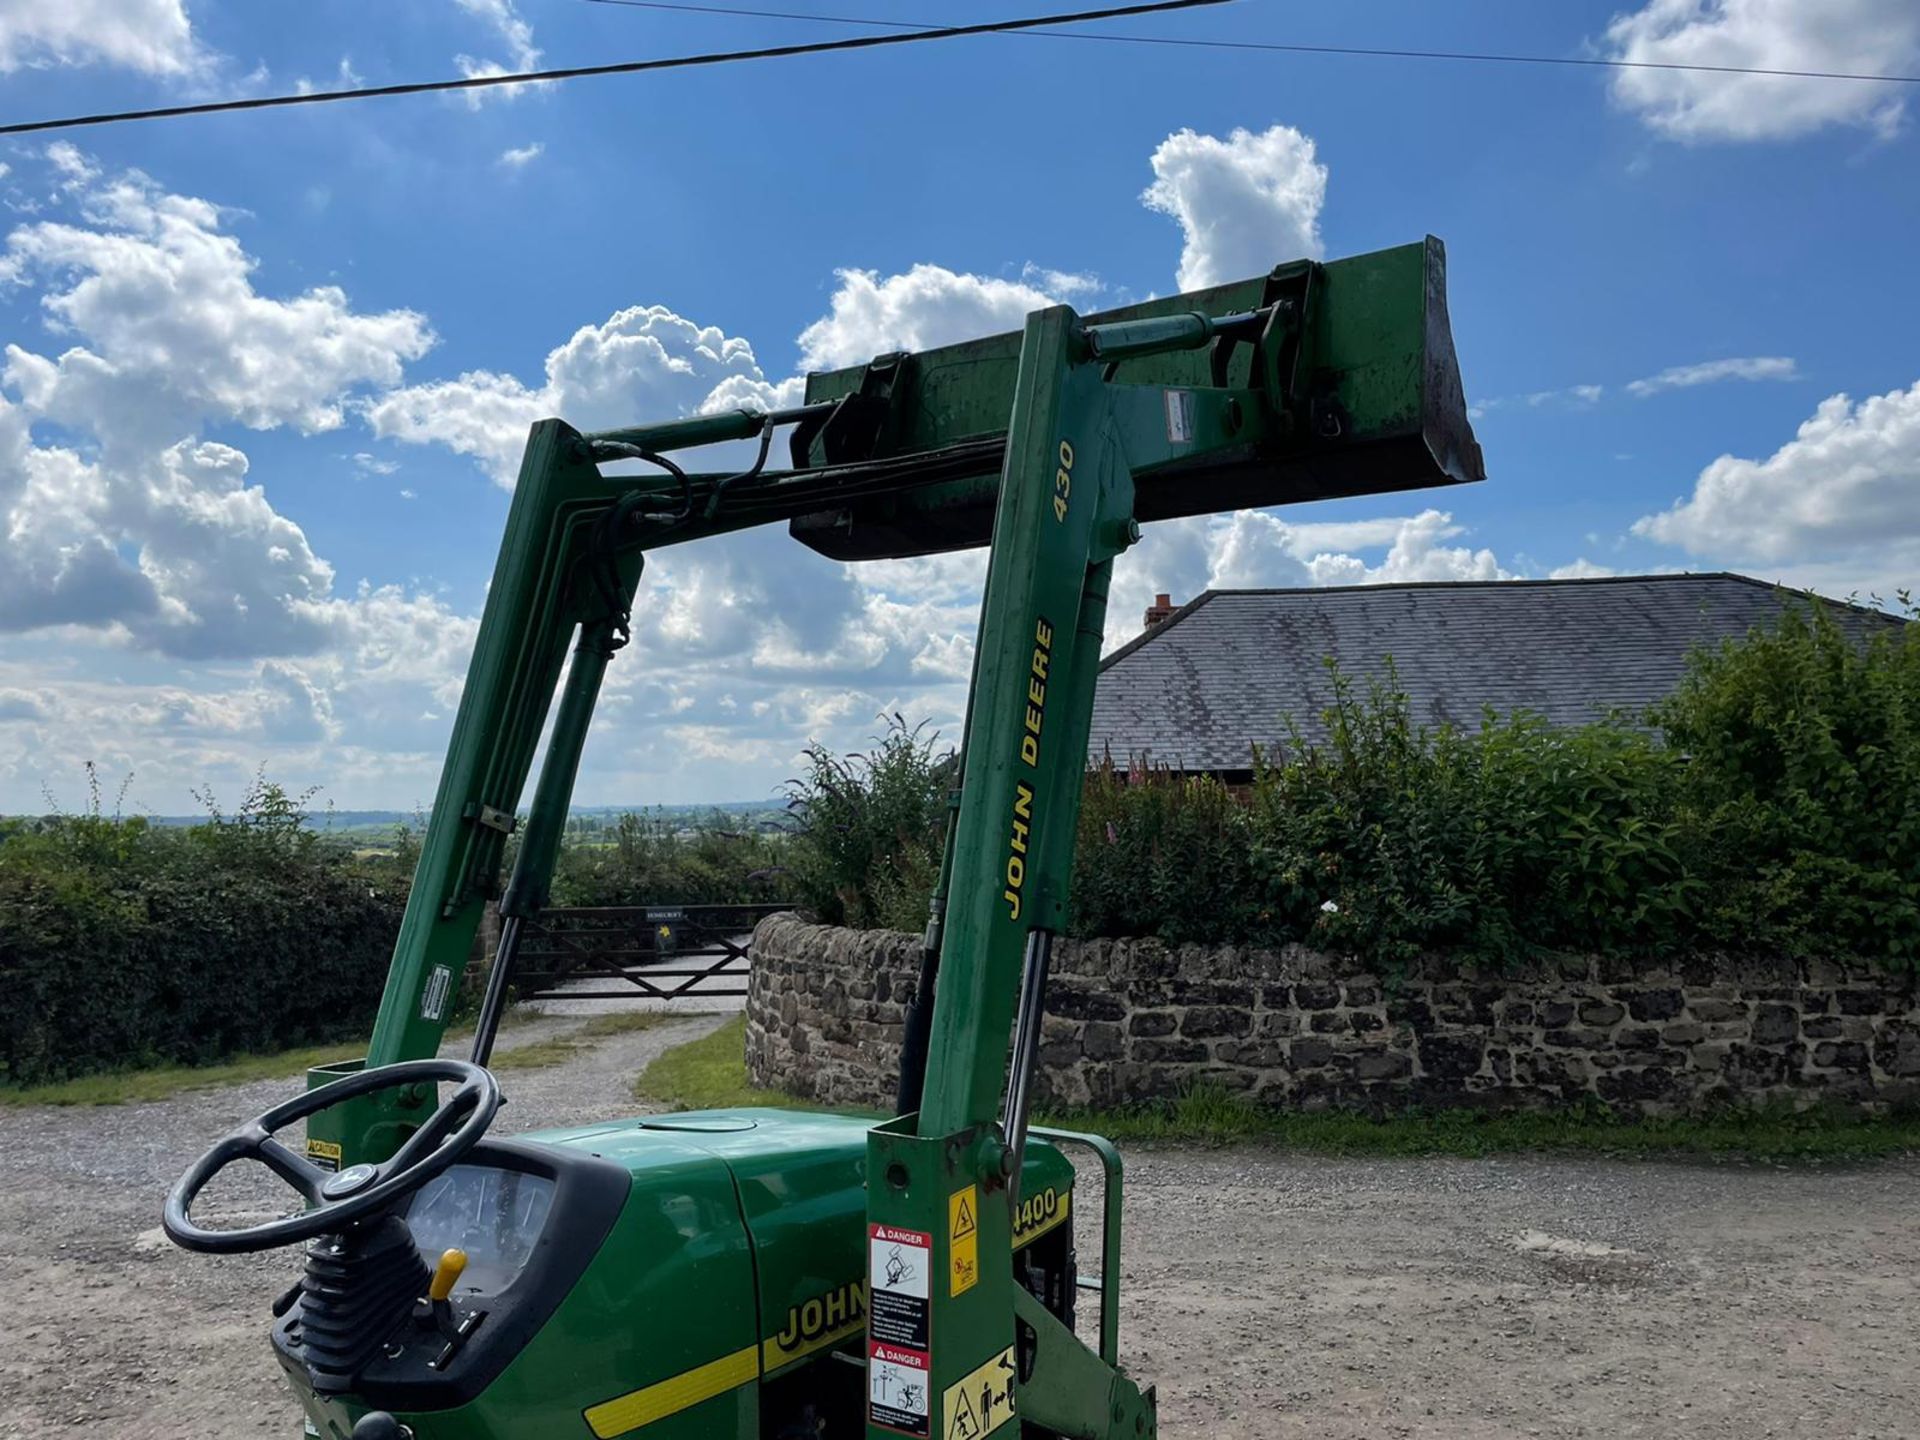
<point x="374" y="830"/>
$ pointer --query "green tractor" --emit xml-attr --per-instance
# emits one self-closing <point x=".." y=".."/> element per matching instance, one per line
<point x="774" y="1275"/>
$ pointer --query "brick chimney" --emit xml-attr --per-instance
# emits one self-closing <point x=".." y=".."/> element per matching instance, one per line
<point x="1161" y="608"/>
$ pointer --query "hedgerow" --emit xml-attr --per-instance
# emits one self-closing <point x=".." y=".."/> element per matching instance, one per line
<point x="124" y="943"/>
<point x="1771" y="805"/>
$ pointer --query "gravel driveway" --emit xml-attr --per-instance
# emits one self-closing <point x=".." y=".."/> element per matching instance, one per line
<point x="1267" y="1294"/>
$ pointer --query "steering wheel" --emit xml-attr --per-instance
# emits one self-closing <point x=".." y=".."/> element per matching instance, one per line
<point x="360" y="1191"/>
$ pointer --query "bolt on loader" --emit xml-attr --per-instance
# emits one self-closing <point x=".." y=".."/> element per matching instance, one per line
<point x="762" y="1274"/>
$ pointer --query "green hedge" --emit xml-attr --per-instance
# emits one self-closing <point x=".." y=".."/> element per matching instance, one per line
<point x="1771" y="805"/>
<point x="124" y="944"/>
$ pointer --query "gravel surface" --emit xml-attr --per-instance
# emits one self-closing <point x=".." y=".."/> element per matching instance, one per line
<point x="1267" y="1294"/>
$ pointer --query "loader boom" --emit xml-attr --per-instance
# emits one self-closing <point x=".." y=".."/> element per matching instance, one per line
<point x="1052" y="445"/>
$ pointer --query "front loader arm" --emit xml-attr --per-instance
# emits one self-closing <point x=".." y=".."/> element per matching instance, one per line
<point x="531" y="615"/>
<point x="1077" y="444"/>
<point x="1314" y="381"/>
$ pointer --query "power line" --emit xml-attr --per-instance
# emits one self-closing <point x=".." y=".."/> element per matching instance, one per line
<point x="578" y="72"/>
<point x="1587" y="62"/>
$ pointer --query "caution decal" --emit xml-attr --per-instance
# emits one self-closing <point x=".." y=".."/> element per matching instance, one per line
<point x="981" y="1403"/>
<point x="963" y="1239"/>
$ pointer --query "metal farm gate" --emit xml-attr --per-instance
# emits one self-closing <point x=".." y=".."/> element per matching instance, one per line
<point x="660" y="952"/>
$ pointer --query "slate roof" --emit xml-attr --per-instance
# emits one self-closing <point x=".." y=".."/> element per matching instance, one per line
<point x="1196" y="690"/>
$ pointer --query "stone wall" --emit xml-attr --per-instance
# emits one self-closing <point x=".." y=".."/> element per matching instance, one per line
<point x="1130" y="1020"/>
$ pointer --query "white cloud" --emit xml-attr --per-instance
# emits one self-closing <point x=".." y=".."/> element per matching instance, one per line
<point x="1581" y="569"/>
<point x="512" y="31"/>
<point x="926" y="306"/>
<point x="1255" y="549"/>
<point x="1570" y="396"/>
<point x="125" y="520"/>
<point x="171" y="324"/>
<point x="1842" y="496"/>
<point x="521" y="156"/>
<point x="1843" y="36"/>
<point x="643" y="363"/>
<point x="150" y="36"/>
<point x="21" y="705"/>
<point x="1712" y="372"/>
<point x="345" y="77"/>
<point x="1245" y="204"/>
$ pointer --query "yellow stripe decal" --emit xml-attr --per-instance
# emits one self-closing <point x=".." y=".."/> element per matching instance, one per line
<point x="1028" y="1234"/>
<point x="772" y="1355"/>
<point x="669" y="1397"/>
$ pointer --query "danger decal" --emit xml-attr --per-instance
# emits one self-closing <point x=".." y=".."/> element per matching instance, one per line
<point x="898" y="1383"/>
<point x="899" y="1271"/>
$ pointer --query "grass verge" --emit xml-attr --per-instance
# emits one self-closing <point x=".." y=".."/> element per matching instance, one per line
<point x="121" y="1087"/>
<point x="1212" y="1117"/>
<point x="161" y="1082"/>
<point x="711" y="1073"/>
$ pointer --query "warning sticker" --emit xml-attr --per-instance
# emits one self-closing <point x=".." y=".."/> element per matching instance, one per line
<point x="324" y="1153"/>
<point x="981" y="1403"/>
<point x="963" y="1239"/>
<point x="897" y="1388"/>
<point x="1179" y="416"/>
<point x="899" y="1267"/>
<point x="433" y="1000"/>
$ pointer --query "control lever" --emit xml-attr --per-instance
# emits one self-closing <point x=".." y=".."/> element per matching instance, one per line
<point x="453" y="1327"/>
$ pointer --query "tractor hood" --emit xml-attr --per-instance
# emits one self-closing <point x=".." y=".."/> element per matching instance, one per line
<point x="644" y="1272"/>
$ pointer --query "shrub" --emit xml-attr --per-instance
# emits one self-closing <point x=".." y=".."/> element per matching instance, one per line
<point x="1802" y="778"/>
<point x="124" y="943"/>
<point x="868" y="828"/>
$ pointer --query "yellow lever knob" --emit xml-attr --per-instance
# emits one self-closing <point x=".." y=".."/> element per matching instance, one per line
<point x="446" y="1273"/>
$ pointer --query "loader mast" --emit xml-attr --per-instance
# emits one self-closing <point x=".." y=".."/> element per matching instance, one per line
<point x="1053" y="445"/>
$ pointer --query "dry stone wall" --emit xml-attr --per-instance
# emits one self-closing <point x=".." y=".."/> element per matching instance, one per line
<point x="1132" y="1020"/>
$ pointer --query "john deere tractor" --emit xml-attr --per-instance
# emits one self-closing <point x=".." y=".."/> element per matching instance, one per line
<point x="779" y="1275"/>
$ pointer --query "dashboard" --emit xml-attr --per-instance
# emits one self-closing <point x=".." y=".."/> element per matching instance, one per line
<point x="496" y="1215"/>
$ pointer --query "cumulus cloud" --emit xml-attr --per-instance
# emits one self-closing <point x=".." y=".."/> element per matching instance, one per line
<point x="1844" y="492"/>
<point x="21" y="705"/>
<point x="162" y="299"/>
<point x="1245" y="203"/>
<point x="153" y="37"/>
<point x="119" y="512"/>
<point x="927" y="305"/>
<point x="1581" y="569"/>
<point x="125" y="519"/>
<point x="1712" y="372"/>
<point x="1865" y="37"/>
<point x="643" y="363"/>
<point x="1255" y="549"/>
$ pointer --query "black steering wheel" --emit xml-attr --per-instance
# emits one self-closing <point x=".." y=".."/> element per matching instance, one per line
<point x="360" y="1191"/>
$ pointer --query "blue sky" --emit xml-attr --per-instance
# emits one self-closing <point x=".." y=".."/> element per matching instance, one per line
<point x="266" y="374"/>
